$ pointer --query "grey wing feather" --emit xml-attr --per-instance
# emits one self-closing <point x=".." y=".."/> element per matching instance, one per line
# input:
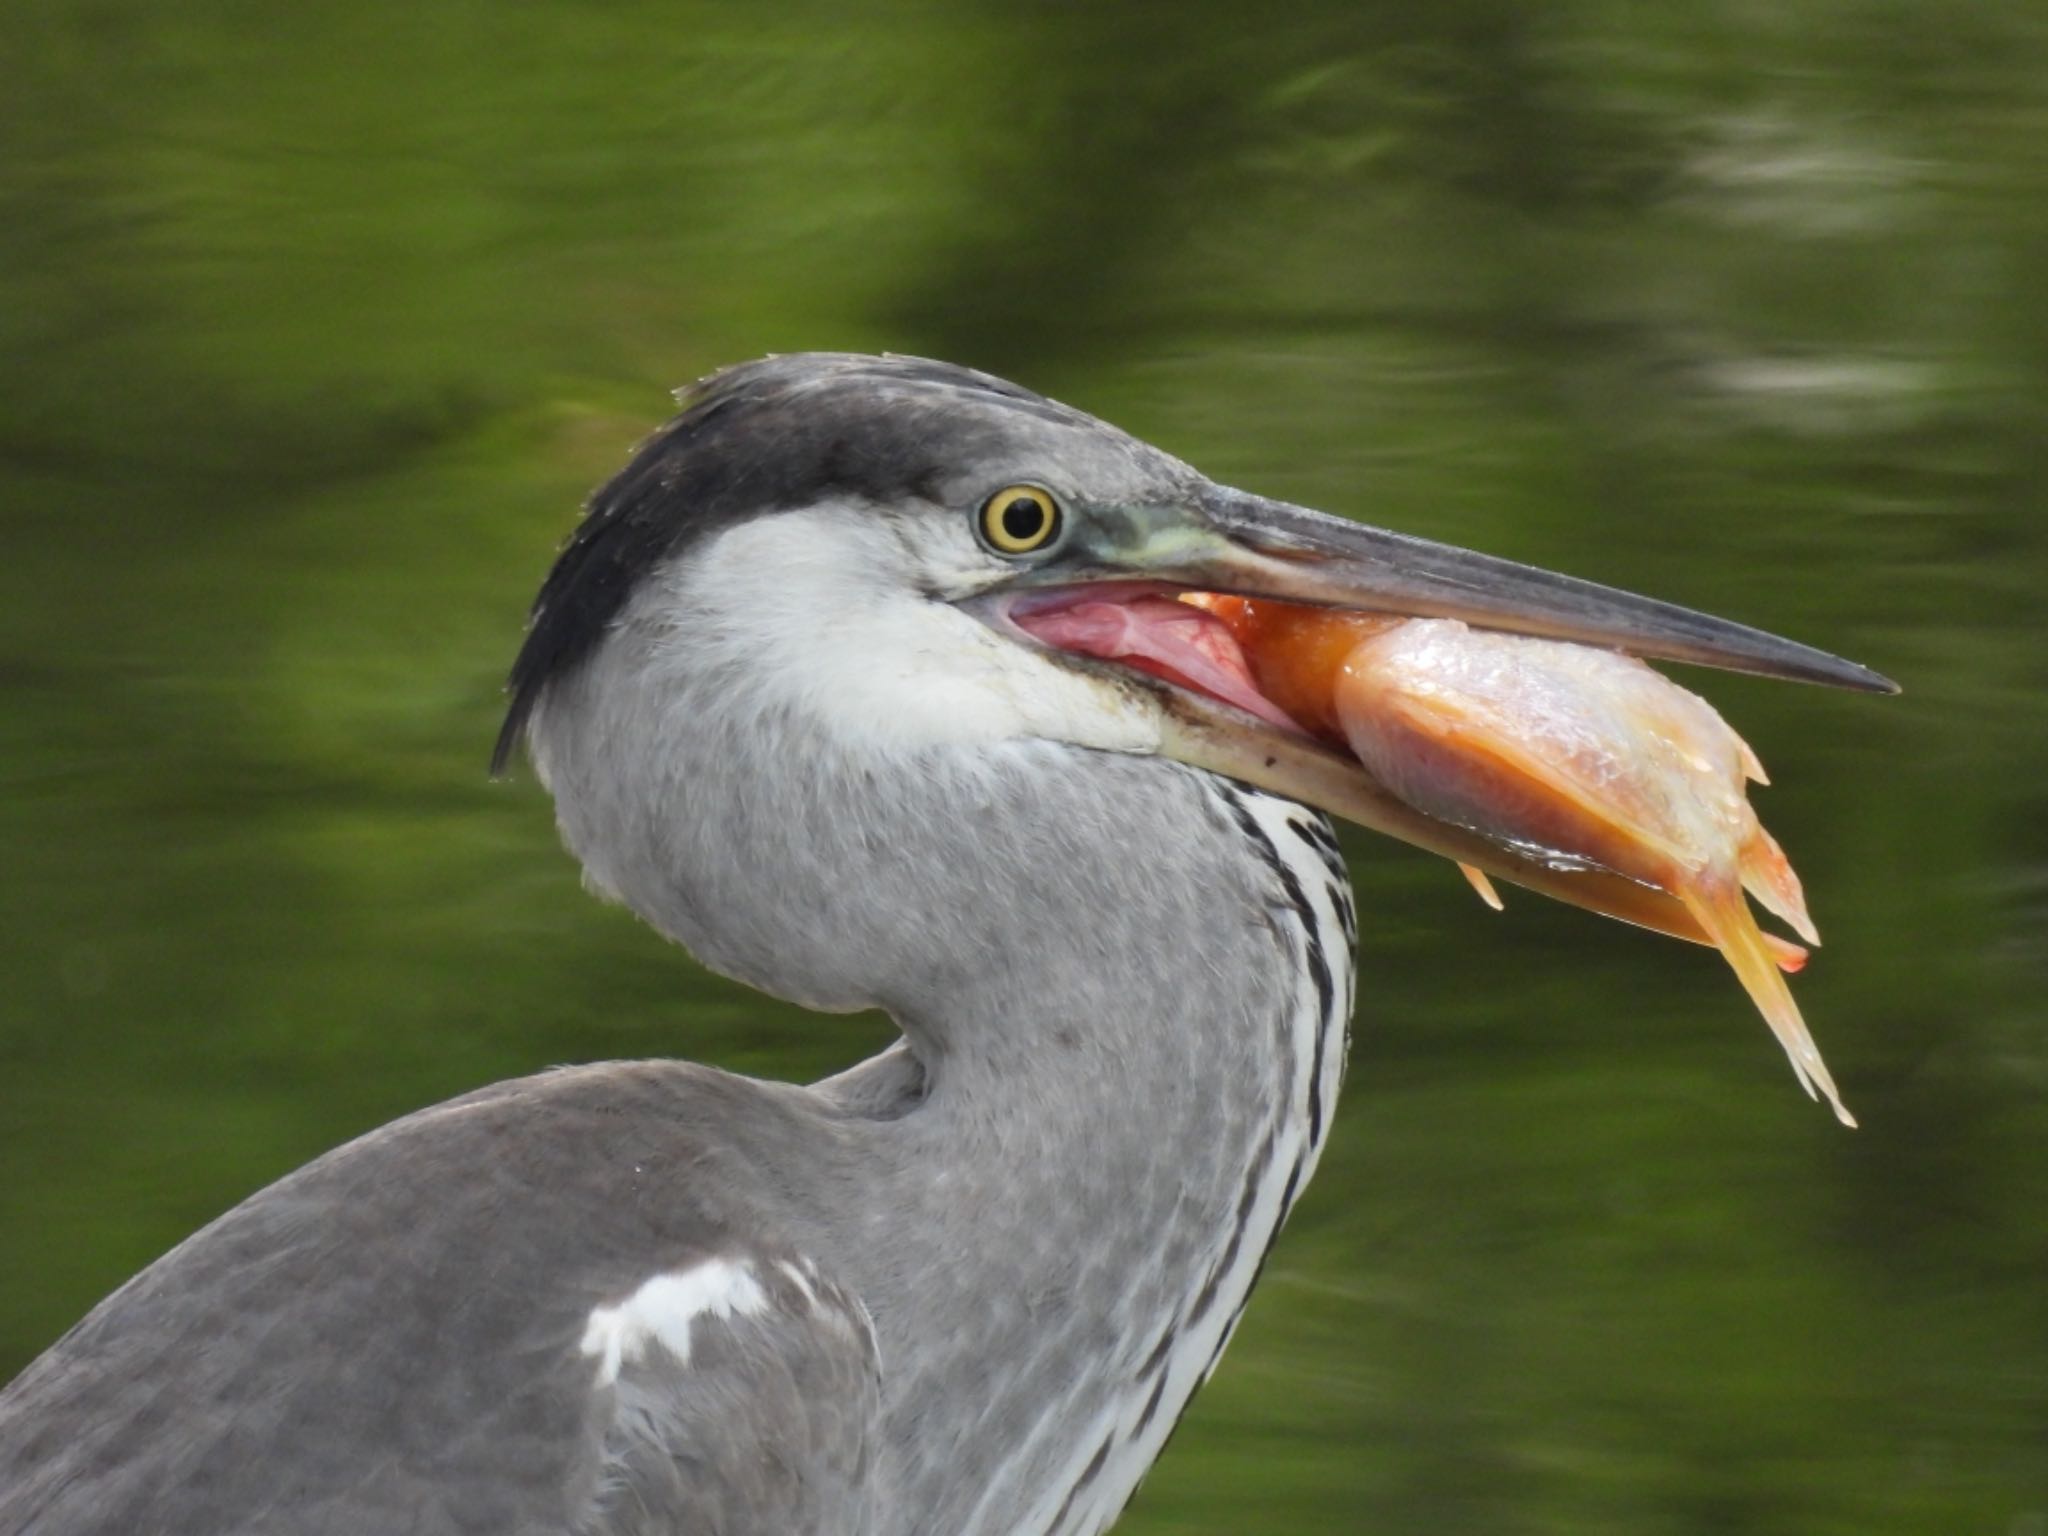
<point x="398" y="1338"/>
<point x="768" y="1427"/>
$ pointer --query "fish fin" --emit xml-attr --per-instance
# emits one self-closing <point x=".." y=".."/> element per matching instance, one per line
<point x="1768" y="876"/>
<point x="1752" y="765"/>
<point x="1480" y="883"/>
<point x="1725" y="915"/>
<point x="1791" y="957"/>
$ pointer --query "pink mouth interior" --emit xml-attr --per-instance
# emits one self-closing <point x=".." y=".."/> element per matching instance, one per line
<point x="1149" y="633"/>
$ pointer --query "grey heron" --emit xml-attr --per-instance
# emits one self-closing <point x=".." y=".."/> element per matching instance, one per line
<point x="790" y="689"/>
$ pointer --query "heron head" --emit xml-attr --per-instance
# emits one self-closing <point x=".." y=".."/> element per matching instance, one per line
<point x="884" y="556"/>
<point x="905" y="481"/>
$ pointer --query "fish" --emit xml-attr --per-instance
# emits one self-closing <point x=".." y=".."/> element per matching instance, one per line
<point x="1558" y="752"/>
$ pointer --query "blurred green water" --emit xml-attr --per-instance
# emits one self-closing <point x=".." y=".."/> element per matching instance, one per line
<point x="316" y="324"/>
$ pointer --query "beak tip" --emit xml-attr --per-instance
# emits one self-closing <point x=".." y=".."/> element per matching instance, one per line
<point x="1866" y="680"/>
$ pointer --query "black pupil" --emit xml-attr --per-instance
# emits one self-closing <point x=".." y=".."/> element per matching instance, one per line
<point x="1024" y="519"/>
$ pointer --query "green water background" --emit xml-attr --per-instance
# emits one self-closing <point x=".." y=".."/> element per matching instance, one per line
<point x="317" y="321"/>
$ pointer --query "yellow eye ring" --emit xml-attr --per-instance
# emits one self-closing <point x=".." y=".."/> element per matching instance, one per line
<point x="1020" y="519"/>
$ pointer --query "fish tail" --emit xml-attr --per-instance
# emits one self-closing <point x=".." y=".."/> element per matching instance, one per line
<point x="1768" y="876"/>
<point x="1722" y="911"/>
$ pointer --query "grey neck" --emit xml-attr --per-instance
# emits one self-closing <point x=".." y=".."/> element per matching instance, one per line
<point x="1016" y="906"/>
<point x="1105" y="987"/>
<point x="1113" y="1123"/>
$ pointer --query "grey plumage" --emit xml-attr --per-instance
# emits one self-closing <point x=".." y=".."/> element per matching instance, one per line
<point x="783" y="687"/>
<point x="402" y="1317"/>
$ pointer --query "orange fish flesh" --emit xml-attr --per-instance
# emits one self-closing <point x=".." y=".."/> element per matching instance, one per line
<point x="1563" y="749"/>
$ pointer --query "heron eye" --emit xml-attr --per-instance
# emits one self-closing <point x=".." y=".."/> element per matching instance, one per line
<point x="1019" y="519"/>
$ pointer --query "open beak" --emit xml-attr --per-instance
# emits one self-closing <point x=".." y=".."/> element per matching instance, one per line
<point x="1228" y="541"/>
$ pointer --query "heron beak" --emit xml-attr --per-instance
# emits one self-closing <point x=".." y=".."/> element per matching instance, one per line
<point x="1260" y="548"/>
<point x="1227" y="541"/>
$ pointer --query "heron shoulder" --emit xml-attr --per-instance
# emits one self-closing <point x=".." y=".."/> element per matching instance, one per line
<point x="523" y="1303"/>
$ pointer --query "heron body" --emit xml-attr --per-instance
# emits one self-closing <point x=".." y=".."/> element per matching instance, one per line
<point x="783" y="689"/>
<point x="963" y="1327"/>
